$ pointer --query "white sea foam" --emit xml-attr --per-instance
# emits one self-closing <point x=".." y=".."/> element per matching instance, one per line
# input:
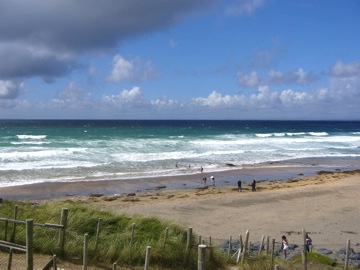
<point x="263" y="135"/>
<point x="295" y="133"/>
<point x="30" y="142"/>
<point x="33" y="137"/>
<point x="318" y="133"/>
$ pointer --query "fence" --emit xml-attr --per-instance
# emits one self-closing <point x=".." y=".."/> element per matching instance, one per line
<point x="266" y="245"/>
<point x="28" y="247"/>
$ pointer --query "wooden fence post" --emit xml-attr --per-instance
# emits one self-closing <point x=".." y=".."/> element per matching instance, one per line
<point x="85" y="251"/>
<point x="6" y="229"/>
<point x="132" y="234"/>
<point x="54" y="262"/>
<point x="188" y="239"/>
<point x="267" y="245"/>
<point x="147" y="258"/>
<point x="261" y="244"/>
<point x="97" y="233"/>
<point x="229" y="248"/>
<point x="29" y="244"/>
<point x="63" y="222"/>
<point x="244" y="253"/>
<point x="347" y="254"/>
<point x="12" y="238"/>
<point x="304" y="251"/>
<point x="166" y="236"/>
<point x="272" y="252"/>
<point x="240" y="249"/>
<point x="201" y="257"/>
<point x="10" y="258"/>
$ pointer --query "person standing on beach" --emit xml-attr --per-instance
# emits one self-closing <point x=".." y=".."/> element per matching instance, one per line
<point x="239" y="186"/>
<point x="253" y="185"/>
<point x="213" y="181"/>
<point x="284" y="245"/>
<point x="308" y="243"/>
<point x="201" y="169"/>
<point x="204" y="180"/>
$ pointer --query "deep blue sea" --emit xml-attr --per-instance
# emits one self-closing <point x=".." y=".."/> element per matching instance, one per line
<point x="33" y="151"/>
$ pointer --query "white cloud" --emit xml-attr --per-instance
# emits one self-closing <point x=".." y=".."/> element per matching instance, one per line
<point x="132" y="95"/>
<point x="298" y="76"/>
<point x="215" y="99"/>
<point x="125" y="99"/>
<point x="72" y="97"/>
<point x="339" y="100"/>
<point x="345" y="70"/>
<point x="249" y="80"/>
<point x="264" y="98"/>
<point x="123" y="70"/>
<point x="131" y="70"/>
<point x="240" y="7"/>
<point x="275" y="74"/>
<point x="291" y="98"/>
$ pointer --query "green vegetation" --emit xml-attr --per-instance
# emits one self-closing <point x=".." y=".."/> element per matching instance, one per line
<point x="114" y="243"/>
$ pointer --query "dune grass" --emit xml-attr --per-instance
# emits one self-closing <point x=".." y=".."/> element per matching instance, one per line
<point x="114" y="243"/>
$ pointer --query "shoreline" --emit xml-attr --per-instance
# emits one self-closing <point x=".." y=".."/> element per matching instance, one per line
<point x="55" y="190"/>
<point x="268" y="171"/>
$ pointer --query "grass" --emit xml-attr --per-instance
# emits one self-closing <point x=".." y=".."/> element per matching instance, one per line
<point x="114" y="243"/>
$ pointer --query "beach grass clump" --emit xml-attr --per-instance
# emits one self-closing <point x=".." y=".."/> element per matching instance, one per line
<point x="317" y="261"/>
<point x="111" y="238"/>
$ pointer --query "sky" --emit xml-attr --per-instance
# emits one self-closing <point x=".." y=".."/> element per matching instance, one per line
<point x="180" y="59"/>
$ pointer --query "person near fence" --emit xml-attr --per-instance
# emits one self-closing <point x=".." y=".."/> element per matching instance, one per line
<point x="253" y="185"/>
<point x="239" y="186"/>
<point x="308" y="243"/>
<point x="284" y="245"/>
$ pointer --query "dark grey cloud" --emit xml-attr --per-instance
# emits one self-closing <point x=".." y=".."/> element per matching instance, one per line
<point x="44" y="38"/>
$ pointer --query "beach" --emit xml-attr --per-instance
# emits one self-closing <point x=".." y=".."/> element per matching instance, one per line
<point x="326" y="205"/>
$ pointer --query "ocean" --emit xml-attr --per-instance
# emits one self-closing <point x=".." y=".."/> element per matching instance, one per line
<point x="35" y="151"/>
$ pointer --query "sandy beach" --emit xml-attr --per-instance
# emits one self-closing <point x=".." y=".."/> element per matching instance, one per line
<point x="326" y="205"/>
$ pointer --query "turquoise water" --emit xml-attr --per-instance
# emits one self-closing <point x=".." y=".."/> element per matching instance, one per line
<point x="67" y="150"/>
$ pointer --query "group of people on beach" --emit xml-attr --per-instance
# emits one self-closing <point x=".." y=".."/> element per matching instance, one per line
<point x="285" y="244"/>
<point x="253" y="185"/>
<point x="212" y="180"/>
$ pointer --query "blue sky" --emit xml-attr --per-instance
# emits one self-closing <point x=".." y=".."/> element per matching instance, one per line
<point x="180" y="59"/>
